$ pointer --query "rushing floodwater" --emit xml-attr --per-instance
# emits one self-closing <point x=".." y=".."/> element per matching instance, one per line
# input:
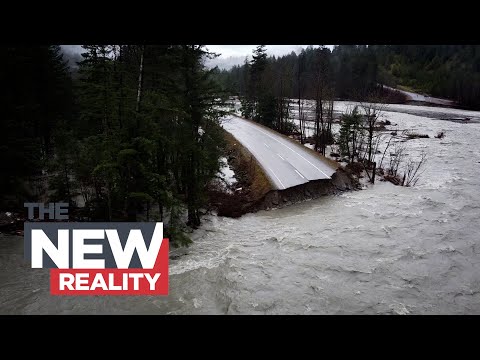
<point x="383" y="250"/>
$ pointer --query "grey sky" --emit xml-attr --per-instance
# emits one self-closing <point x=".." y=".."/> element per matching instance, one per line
<point x="230" y="54"/>
<point x="244" y="50"/>
<point x="230" y="50"/>
<point x="235" y="54"/>
<point x="75" y="49"/>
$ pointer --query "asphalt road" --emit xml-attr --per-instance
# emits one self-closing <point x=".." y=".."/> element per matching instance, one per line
<point x="285" y="162"/>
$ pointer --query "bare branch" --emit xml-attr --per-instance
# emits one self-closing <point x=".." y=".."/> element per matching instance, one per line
<point x="386" y="148"/>
<point x="413" y="168"/>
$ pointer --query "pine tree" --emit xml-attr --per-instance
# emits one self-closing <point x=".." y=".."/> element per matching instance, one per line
<point x="199" y="120"/>
<point x="35" y="97"/>
<point x="350" y="133"/>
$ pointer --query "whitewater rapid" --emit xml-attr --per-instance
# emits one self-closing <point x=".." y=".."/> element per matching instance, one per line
<point x="383" y="250"/>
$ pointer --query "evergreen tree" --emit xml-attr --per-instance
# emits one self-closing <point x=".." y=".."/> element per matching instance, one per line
<point x="36" y="95"/>
<point x="351" y="132"/>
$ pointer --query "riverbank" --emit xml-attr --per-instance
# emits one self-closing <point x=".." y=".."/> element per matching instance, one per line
<point x="422" y="99"/>
<point x="383" y="250"/>
<point x="253" y="190"/>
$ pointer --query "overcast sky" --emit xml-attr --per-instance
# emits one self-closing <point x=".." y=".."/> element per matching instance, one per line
<point x="244" y="50"/>
<point x="230" y="54"/>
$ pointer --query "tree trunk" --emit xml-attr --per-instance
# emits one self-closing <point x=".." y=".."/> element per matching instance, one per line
<point x="370" y="141"/>
<point x="160" y="208"/>
<point x="120" y="100"/>
<point x="322" y="133"/>
<point x="140" y="85"/>
<point x="105" y="92"/>
<point x="302" y="140"/>
<point x="374" y="171"/>
<point x="354" y="145"/>
<point x="109" y="203"/>
<point x="67" y="182"/>
<point x="192" y="168"/>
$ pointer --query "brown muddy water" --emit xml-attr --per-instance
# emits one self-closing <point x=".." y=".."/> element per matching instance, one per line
<point x="382" y="250"/>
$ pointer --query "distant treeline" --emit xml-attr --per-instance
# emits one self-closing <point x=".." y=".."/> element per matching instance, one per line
<point x="449" y="71"/>
<point x="135" y="131"/>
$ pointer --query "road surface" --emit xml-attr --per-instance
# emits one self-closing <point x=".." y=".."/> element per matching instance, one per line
<point x="285" y="162"/>
<point x="423" y="98"/>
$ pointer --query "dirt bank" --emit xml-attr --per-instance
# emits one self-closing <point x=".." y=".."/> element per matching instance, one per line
<point x="252" y="184"/>
<point x="253" y="190"/>
<point x="341" y="181"/>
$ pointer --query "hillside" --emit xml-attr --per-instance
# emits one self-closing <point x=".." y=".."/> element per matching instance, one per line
<point x="444" y="71"/>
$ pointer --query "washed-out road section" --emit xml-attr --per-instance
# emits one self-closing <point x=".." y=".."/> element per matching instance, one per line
<point x="285" y="162"/>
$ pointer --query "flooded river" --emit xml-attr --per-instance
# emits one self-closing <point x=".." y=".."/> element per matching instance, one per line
<point x="383" y="250"/>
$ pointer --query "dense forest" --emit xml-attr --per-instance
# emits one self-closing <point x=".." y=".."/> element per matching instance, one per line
<point x="132" y="132"/>
<point x="449" y="71"/>
<point x="133" y="135"/>
<point x="267" y="85"/>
